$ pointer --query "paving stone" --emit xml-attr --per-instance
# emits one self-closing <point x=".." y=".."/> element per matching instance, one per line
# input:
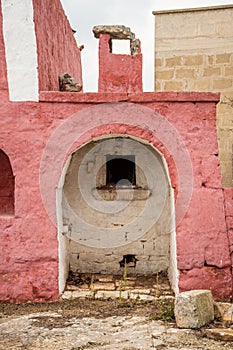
<point x="103" y="286"/>
<point x="72" y="287"/>
<point x="105" y="278"/>
<point x="144" y="297"/>
<point x="225" y="334"/>
<point x="140" y="291"/>
<point x="120" y="284"/>
<point x="194" y="309"/>
<point x="69" y="295"/>
<point x="111" y="294"/>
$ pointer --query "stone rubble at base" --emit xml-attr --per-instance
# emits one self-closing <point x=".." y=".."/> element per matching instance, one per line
<point x="116" y="332"/>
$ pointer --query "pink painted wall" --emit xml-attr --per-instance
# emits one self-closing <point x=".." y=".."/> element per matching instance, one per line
<point x="6" y="186"/>
<point x="29" y="239"/>
<point x="57" y="48"/>
<point x="121" y="73"/>
<point x="3" y="72"/>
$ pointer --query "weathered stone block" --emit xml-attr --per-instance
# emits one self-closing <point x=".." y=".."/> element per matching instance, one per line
<point x="107" y="294"/>
<point x="115" y="31"/>
<point x="223" y="58"/>
<point x="185" y="73"/>
<point x="104" y="286"/>
<point x="221" y="84"/>
<point x="194" y="309"/>
<point x="158" y="62"/>
<point x="208" y="72"/>
<point x="228" y="71"/>
<point x="164" y="74"/>
<point x="228" y="316"/>
<point x="193" y="60"/>
<point x="173" y="61"/>
<point x="173" y="86"/>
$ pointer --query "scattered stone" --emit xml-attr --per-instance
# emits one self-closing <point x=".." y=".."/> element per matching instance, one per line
<point x="67" y="83"/>
<point x="69" y="329"/>
<point x="228" y="316"/>
<point x="225" y="334"/>
<point x="194" y="309"/>
<point x="221" y="308"/>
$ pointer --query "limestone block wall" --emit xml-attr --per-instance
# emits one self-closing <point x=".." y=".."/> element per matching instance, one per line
<point x="193" y="52"/>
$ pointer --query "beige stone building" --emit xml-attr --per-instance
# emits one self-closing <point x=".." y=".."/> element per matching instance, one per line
<point x="194" y="52"/>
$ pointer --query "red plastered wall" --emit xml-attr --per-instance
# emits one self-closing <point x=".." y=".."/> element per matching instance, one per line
<point x="118" y="73"/>
<point x="57" y="48"/>
<point x="28" y="240"/>
<point x="6" y="186"/>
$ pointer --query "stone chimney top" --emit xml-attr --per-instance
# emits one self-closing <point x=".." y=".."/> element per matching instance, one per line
<point x="119" y="32"/>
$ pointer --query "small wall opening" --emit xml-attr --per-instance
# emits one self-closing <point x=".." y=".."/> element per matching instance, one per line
<point x="128" y="260"/>
<point x="7" y="185"/>
<point x="120" y="47"/>
<point x="120" y="170"/>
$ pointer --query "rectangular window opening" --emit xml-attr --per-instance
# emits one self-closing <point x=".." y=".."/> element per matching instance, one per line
<point x="120" y="170"/>
<point x="120" y="47"/>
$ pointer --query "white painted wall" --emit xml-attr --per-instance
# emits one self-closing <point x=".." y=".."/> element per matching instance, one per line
<point x="63" y="240"/>
<point x="102" y="231"/>
<point x="21" y="50"/>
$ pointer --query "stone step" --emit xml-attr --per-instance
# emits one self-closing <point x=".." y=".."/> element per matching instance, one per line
<point x="112" y="294"/>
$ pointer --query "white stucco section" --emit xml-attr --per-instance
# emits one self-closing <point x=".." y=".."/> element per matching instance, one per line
<point x="173" y="269"/>
<point x="21" y="50"/>
<point x="63" y="241"/>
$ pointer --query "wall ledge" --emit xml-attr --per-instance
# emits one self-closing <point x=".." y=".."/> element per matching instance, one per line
<point x="105" y="97"/>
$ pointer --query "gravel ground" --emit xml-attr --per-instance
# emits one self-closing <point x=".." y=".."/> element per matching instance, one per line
<point x="97" y="324"/>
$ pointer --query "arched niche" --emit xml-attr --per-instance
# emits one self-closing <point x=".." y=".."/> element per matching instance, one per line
<point x="7" y="185"/>
<point x="108" y="213"/>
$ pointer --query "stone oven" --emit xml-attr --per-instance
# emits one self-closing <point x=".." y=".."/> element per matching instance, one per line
<point x="93" y="181"/>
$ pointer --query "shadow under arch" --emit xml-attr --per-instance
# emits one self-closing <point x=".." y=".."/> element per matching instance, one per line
<point x="7" y="186"/>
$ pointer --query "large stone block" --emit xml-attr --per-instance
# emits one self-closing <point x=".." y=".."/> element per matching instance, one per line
<point x="194" y="309"/>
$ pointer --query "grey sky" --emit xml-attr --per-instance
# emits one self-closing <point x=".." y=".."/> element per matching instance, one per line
<point x="136" y="14"/>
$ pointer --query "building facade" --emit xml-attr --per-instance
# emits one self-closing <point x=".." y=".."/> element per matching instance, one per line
<point x="92" y="181"/>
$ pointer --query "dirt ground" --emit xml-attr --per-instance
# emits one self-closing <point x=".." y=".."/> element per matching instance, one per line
<point x="111" y="324"/>
<point x="99" y="324"/>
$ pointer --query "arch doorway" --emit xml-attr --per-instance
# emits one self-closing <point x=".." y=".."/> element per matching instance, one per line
<point x="115" y="206"/>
